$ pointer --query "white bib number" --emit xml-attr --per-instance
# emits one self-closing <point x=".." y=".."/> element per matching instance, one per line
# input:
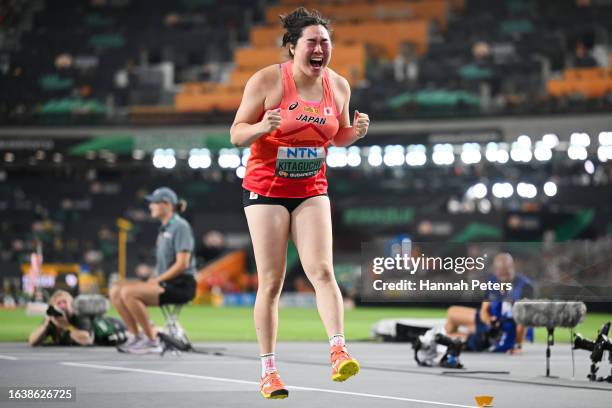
<point x="299" y="162"/>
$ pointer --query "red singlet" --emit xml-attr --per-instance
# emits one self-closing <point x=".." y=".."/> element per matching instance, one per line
<point x="290" y="162"/>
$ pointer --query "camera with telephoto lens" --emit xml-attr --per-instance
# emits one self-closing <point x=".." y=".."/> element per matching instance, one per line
<point x="453" y="349"/>
<point x="53" y="311"/>
<point x="450" y="359"/>
<point x="597" y="348"/>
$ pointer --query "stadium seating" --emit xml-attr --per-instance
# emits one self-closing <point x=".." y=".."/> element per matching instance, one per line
<point x="162" y="61"/>
<point x="590" y="83"/>
<point x="432" y="10"/>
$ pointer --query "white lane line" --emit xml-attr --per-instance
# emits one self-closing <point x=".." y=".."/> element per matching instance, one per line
<point x="36" y="353"/>
<point x="231" y="380"/>
<point x="8" y="358"/>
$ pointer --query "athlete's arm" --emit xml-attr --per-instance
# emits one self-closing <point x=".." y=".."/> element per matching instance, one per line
<point x="179" y="266"/>
<point x="348" y="134"/>
<point x="246" y="127"/>
<point x="82" y="337"/>
<point x="39" y="334"/>
<point x="485" y="316"/>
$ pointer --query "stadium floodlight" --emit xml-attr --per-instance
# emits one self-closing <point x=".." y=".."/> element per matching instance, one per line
<point x="158" y="158"/>
<point x="246" y="153"/>
<point x="589" y="167"/>
<point x="484" y="206"/>
<point x="240" y="171"/>
<point x="205" y="159"/>
<point x="604" y="153"/>
<point x="199" y="159"/>
<point x="375" y="158"/>
<point x="521" y="152"/>
<point x="470" y="153"/>
<point x="580" y="139"/>
<point x="524" y="142"/>
<point x="491" y="151"/>
<point x="353" y="157"/>
<point x="170" y="161"/>
<point x="516" y="153"/>
<point x="453" y="206"/>
<point x="164" y="158"/>
<point x="443" y="154"/>
<point x="550" y="188"/>
<point x="502" y="154"/>
<point x="502" y="190"/>
<point x="497" y="152"/>
<point x="550" y="140"/>
<point x="526" y="190"/>
<point x="111" y="158"/>
<point x="542" y="152"/>
<point x="193" y="162"/>
<point x="138" y="154"/>
<point x="336" y="157"/>
<point x="394" y="155"/>
<point x="605" y="138"/>
<point x="416" y="155"/>
<point x="71" y="280"/>
<point x="229" y="158"/>
<point x="576" y="152"/>
<point x="478" y="191"/>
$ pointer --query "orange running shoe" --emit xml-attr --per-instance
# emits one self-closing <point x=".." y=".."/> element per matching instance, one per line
<point x="343" y="365"/>
<point x="273" y="387"/>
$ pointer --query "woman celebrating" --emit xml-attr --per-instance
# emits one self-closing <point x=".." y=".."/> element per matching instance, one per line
<point x="174" y="283"/>
<point x="289" y="114"/>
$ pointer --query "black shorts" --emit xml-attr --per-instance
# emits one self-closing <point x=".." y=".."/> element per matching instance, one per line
<point x="289" y="203"/>
<point x="178" y="290"/>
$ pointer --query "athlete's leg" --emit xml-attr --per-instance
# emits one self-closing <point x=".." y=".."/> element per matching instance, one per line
<point x="136" y="298"/>
<point x="269" y="229"/>
<point x="460" y="316"/>
<point x="311" y="231"/>
<point x="117" y="301"/>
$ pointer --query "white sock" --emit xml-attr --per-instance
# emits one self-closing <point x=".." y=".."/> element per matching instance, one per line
<point x="133" y="337"/>
<point x="337" y="340"/>
<point x="268" y="365"/>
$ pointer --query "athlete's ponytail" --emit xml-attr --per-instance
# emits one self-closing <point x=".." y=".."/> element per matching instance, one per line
<point x="181" y="206"/>
<point x="294" y="23"/>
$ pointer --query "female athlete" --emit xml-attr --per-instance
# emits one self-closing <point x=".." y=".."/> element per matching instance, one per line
<point x="289" y="115"/>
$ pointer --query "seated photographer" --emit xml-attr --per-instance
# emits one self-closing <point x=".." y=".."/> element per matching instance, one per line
<point x="492" y="327"/>
<point x="174" y="283"/>
<point x="61" y="325"/>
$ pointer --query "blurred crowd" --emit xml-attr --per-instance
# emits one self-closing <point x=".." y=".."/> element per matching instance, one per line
<point x="97" y="58"/>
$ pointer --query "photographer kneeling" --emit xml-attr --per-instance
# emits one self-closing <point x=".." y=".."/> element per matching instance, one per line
<point x="492" y="327"/>
<point x="62" y="325"/>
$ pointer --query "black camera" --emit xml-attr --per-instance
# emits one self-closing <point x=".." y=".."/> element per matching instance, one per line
<point x="597" y="348"/>
<point x="450" y="359"/>
<point x="53" y="311"/>
<point x="453" y="349"/>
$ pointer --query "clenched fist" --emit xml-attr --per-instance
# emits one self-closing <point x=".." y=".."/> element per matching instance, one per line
<point x="271" y="121"/>
<point x="361" y="123"/>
